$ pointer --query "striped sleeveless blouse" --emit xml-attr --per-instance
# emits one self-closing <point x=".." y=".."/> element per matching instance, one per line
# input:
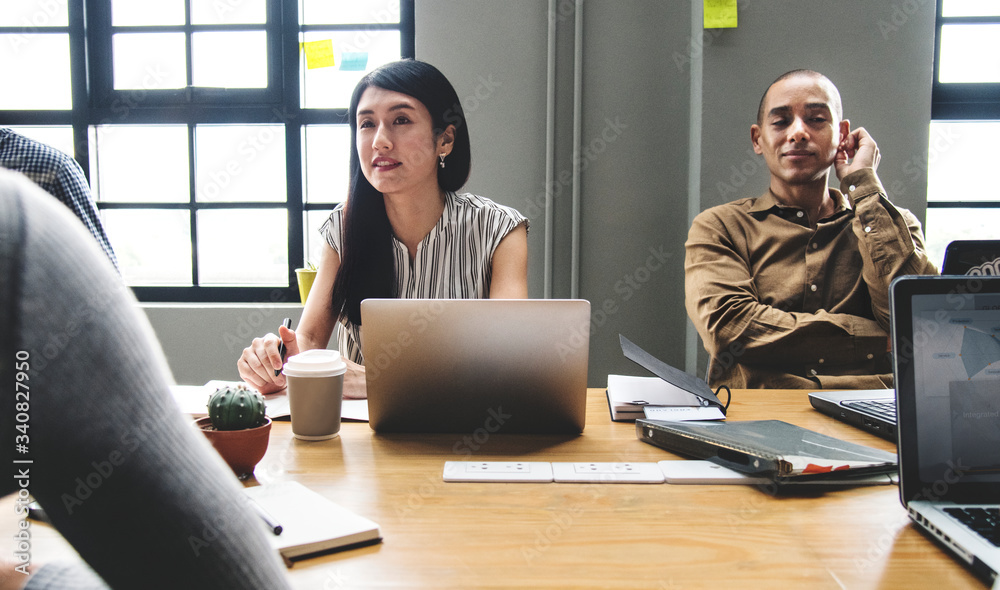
<point x="454" y="261"/>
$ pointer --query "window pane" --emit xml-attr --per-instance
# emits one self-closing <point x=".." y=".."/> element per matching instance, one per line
<point x="214" y="12"/>
<point x="945" y="225"/>
<point x="961" y="158"/>
<point x="142" y="164"/>
<point x="149" y="61"/>
<point x="966" y="51"/>
<point x="35" y="71"/>
<point x="229" y="60"/>
<point x="36" y="13"/>
<point x="314" y="241"/>
<point x="327" y="162"/>
<point x="153" y="245"/>
<point x="240" y="163"/>
<point x="324" y="12"/>
<point x="970" y="8"/>
<point x="135" y="13"/>
<point x="59" y="137"/>
<point x="331" y="87"/>
<point x="243" y="247"/>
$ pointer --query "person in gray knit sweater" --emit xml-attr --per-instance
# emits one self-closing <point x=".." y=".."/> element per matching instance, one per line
<point x="91" y="430"/>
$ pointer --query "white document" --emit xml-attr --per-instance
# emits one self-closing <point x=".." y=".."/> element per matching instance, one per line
<point x="684" y="413"/>
<point x="193" y="400"/>
<point x="628" y="396"/>
<point x="651" y="391"/>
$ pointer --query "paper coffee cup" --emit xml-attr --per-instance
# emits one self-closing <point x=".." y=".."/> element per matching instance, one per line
<point x="315" y="390"/>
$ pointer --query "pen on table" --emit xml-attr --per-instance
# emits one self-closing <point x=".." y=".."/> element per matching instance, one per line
<point x="287" y="322"/>
<point x="272" y="524"/>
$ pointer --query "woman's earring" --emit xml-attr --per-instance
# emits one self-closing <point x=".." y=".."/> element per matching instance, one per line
<point x="442" y="160"/>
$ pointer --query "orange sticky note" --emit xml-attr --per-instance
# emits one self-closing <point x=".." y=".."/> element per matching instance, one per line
<point x="319" y="54"/>
<point x="720" y="14"/>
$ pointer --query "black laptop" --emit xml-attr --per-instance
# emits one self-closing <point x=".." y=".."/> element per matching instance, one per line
<point x="875" y="410"/>
<point x="946" y="343"/>
<point x="972" y="257"/>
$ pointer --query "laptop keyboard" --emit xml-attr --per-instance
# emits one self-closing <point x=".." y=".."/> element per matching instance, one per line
<point x="882" y="408"/>
<point x="985" y="521"/>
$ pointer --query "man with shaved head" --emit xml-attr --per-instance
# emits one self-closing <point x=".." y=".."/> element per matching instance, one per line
<point x="790" y="289"/>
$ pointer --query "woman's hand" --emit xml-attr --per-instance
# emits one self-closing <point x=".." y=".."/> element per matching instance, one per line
<point x="261" y="359"/>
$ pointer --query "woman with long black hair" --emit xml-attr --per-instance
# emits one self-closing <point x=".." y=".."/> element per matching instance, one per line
<point x="404" y="231"/>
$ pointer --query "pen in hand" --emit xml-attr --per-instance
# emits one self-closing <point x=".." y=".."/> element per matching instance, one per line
<point x="287" y="322"/>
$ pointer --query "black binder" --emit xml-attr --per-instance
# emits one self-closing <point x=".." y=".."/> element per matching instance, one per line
<point x="783" y="452"/>
<point x="675" y="377"/>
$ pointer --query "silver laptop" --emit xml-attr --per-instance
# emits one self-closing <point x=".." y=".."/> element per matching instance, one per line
<point x="476" y="366"/>
<point x="946" y="343"/>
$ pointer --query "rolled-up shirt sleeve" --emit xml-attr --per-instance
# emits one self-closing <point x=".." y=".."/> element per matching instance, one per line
<point x="890" y="240"/>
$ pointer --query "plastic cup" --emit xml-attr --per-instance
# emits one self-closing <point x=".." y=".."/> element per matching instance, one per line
<point x="305" y="276"/>
<point x="315" y="390"/>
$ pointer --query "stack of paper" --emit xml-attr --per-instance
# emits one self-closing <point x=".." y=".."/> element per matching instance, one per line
<point x="193" y="400"/>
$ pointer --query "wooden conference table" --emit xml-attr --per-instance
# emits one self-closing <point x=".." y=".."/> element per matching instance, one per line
<point x="555" y="535"/>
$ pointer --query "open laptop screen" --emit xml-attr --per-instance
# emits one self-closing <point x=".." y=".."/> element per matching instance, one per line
<point x="946" y="338"/>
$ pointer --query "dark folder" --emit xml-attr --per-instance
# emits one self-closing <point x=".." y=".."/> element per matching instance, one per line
<point x="783" y="452"/>
<point x="671" y="375"/>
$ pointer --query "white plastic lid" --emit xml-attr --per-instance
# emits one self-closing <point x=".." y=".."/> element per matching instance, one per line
<point x="318" y="362"/>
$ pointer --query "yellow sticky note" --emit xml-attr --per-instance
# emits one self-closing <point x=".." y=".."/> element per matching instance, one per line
<point x="319" y="54"/>
<point x="720" y="14"/>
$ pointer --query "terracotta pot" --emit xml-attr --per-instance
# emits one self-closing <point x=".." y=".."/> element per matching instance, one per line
<point x="242" y="449"/>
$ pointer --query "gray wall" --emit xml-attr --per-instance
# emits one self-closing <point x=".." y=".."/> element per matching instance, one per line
<point x="666" y="111"/>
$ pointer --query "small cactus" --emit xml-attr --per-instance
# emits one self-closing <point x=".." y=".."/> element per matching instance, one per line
<point x="236" y="408"/>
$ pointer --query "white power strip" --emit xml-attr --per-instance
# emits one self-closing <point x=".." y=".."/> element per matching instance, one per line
<point x="536" y="471"/>
<point x="607" y="473"/>
<point x="498" y="471"/>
